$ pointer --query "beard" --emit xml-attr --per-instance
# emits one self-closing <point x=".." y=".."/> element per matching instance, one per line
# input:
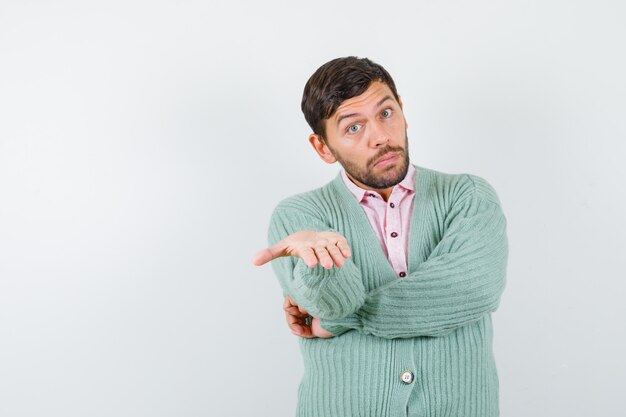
<point x="390" y="175"/>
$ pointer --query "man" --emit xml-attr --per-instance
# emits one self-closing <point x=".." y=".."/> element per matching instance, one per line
<point x="391" y="270"/>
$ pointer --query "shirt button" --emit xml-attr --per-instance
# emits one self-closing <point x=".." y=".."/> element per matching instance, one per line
<point x="406" y="377"/>
<point x="394" y="234"/>
<point x="402" y="274"/>
<point x="392" y="205"/>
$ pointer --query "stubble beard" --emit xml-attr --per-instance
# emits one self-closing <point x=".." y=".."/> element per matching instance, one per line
<point x="390" y="176"/>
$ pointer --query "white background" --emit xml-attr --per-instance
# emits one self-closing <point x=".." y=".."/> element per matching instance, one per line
<point x="144" y="144"/>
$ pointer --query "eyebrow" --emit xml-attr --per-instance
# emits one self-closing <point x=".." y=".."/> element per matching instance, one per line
<point x="345" y="116"/>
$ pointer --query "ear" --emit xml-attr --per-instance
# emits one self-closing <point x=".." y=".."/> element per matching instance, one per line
<point x="322" y="149"/>
<point x="406" y="125"/>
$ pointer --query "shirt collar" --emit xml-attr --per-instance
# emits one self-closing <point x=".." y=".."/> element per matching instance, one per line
<point x="408" y="183"/>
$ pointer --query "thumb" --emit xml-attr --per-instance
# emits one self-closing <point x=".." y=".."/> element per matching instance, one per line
<point x="268" y="254"/>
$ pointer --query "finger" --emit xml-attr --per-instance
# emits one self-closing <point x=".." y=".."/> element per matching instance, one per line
<point x="295" y="327"/>
<point x="297" y="312"/>
<point x="298" y="326"/>
<point x="323" y="256"/>
<point x="294" y="322"/>
<point x="308" y="256"/>
<point x="262" y="257"/>
<point x="293" y="308"/>
<point x="342" y="244"/>
<point x="336" y="256"/>
<point x="288" y="302"/>
<point x="302" y="331"/>
<point x="289" y="306"/>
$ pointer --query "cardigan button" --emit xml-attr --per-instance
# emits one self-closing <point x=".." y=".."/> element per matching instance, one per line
<point x="407" y="377"/>
<point x="394" y="234"/>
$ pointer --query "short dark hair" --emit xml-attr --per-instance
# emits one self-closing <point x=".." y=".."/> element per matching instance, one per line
<point x="336" y="81"/>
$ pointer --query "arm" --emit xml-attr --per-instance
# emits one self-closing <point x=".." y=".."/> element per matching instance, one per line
<point x="459" y="283"/>
<point x="324" y="290"/>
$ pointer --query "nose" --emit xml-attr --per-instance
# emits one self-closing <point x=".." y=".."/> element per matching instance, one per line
<point x="379" y="136"/>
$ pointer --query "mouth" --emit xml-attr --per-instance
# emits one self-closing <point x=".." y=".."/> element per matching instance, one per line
<point x="387" y="159"/>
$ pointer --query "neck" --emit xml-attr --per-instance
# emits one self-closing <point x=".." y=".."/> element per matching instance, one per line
<point x="384" y="193"/>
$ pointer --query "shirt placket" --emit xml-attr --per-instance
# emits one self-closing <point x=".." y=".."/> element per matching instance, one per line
<point x="394" y="235"/>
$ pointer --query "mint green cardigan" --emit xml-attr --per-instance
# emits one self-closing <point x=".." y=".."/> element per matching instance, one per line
<point x="435" y="322"/>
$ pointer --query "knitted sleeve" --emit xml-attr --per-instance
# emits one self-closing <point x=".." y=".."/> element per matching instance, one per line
<point x="460" y="282"/>
<point x="324" y="293"/>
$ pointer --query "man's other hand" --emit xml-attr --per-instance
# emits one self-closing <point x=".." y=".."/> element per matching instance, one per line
<point x="327" y="248"/>
<point x="297" y="321"/>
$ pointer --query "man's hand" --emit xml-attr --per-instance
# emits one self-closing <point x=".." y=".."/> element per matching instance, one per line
<point x="327" y="248"/>
<point x="297" y="321"/>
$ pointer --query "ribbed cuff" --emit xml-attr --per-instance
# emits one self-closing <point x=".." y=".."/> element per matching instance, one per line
<point x="338" y="327"/>
<point x="333" y="293"/>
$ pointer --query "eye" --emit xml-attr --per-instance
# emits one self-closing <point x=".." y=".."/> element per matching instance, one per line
<point x="354" y="128"/>
<point x="386" y="113"/>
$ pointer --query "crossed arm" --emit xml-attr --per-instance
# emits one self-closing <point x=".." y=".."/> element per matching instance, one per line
<point x="459" y="283"/>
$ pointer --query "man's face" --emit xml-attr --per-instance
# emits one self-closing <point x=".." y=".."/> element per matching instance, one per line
<point x="367" y="135"/>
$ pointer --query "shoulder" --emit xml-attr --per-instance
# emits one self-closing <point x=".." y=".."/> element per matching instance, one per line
<point x="311" y="210"/>
<point x="318" y="202"/>
<point x="454" y="187"/>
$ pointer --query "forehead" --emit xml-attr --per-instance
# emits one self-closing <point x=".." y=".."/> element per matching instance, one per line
<point x="366" y="101"/>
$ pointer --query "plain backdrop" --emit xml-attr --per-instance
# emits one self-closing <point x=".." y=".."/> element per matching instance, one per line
<point x="144" y="144"/>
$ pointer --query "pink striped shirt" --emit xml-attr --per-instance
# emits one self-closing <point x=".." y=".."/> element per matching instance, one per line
<point x="390" y="220"/>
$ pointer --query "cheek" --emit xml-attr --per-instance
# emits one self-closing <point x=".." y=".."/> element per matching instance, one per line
<point x="398" y="123"/>
<point x="356" y="156"/>
<point x="397" y="130"/>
